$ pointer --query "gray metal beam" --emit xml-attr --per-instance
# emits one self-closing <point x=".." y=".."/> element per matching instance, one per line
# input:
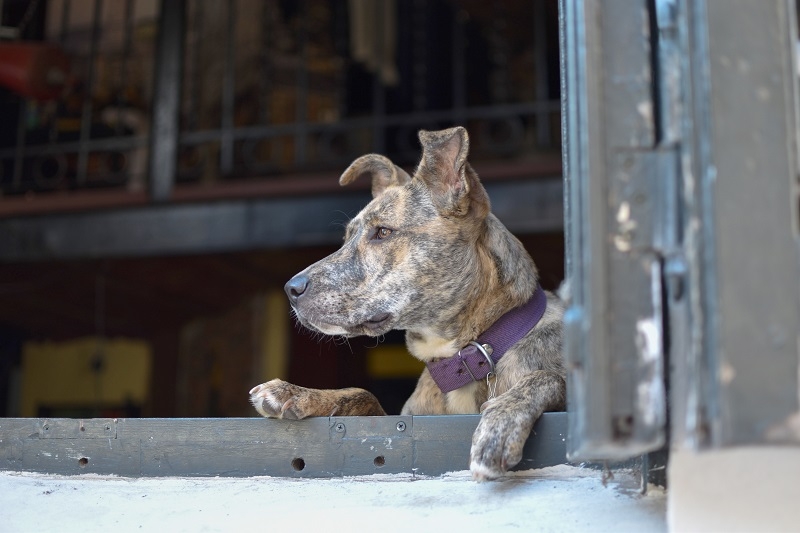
<point x="237" y="447"/>
<point x="525" y="207"/>
<point x="618" y="229"/>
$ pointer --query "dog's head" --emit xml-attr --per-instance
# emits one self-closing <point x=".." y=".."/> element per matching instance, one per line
<point x="409" y="254"/>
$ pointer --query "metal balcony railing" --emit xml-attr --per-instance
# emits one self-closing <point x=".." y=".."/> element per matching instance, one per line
<point x="212" y="92"/>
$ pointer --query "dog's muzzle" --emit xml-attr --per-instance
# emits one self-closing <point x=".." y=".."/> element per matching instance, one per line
<point x="308" y="313"/>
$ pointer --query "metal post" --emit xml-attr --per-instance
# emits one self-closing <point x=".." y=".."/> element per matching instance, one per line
<point x="302" y="91"/>
<point x="165" y="130"/>
<point x="540" y="68"/>
<point x="617" y="175"/>
<point x="228" y="94"/>
<point x="742" y="191"/>
<point x="86" y="113"/>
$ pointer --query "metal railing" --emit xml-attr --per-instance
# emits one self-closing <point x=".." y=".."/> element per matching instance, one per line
<point x="252" y="89"/>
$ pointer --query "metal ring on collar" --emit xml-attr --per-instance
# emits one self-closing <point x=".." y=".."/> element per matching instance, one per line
<point x="483" y="352"/>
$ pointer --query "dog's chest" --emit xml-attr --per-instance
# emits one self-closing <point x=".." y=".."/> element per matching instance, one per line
<point x="463" y="401"/>
<point x="427" y="346"/>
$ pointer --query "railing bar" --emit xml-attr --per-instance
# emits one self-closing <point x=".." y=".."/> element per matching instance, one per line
<point x="264" y="78"/>
<point x="20" y="148"/>
<point x="62" y="39"/>
<point x="96" y="145"/>
<point x="165" y="122"/>
<point x="86" y="115"/>
<point x="194" y="50"/>
<point x="341" y="45"/>
<point x="378" y="93"/>
<point x="459" y="65"/>
<point x="501" y="52"/>
<point x="64" y="21"/>
<point x="540" y="70"/>
<point x="419" y="75"/>
<point x="301" y="104"/>
<point x="254" y="132"/>
<point x="228" y="92"/>
<point x="420" y="118"/>
<point x="419" y="35"/>
<point x="127" y="48"/>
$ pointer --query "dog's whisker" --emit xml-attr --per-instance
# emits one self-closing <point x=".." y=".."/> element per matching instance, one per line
<point x="378" y="340"/>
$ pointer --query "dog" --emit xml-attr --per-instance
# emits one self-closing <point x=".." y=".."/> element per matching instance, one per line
<point x="427" y="256"/>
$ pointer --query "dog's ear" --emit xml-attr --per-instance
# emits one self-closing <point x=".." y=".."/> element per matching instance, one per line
<point x="454" y="186"/>
<point x="380" y="169"/>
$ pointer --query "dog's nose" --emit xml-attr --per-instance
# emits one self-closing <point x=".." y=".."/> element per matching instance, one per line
<point x="296" y="287"/>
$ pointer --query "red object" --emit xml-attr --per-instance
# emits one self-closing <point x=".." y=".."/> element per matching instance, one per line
<point x="33" y="70"/>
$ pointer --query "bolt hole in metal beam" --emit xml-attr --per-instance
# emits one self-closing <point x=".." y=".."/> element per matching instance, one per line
<point x="298" y="464"/>
<point x="83" y="462"/>
<point x="379" y="461"/>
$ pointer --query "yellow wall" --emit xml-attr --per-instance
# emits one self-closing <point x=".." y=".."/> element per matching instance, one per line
<point x="60" y="373"/>
<point x="275" y="337"/>
<point x="392" y="361"/>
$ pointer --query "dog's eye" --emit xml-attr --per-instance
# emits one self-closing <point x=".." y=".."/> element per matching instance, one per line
<point x="382" y="233"/>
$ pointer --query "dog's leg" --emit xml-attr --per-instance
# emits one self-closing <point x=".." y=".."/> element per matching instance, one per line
<point x="279" y="399"/>
<point x="507" y="420"/>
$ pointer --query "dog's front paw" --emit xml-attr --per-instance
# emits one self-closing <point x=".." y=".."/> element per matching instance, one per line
<point x="278" y="399"/>
<point x="497" y="443"/>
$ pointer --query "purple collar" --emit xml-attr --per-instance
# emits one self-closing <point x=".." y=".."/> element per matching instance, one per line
<point x="476" y="360"/>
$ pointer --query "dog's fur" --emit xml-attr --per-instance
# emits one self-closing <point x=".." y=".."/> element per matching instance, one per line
<point x="427" y="256"/>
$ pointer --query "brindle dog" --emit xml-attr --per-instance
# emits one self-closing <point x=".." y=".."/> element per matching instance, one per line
<point x="427" y="256"/>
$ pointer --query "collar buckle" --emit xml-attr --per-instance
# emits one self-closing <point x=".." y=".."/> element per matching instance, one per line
<point x="486" y="351"/>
